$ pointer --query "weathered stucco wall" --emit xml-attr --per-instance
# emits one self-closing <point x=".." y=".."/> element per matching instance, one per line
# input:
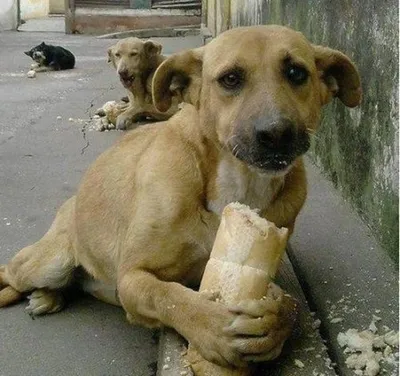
<point x="358" y="148"/>
<point x="34" y="8"/>
<point x="57" y="6"/>
<point x="8" y="15"/>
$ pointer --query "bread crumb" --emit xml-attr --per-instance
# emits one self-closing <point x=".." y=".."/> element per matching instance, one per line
<point x="387" y="352"/>
<point x="308" y="349"/>
<point x="392" y="338"/>
<point x="365" y="349"/>
<point x="372" y="368"/>
<point x="298" y="363"/>
<point x="372" y="327"/>
<point x="316" y="324"/>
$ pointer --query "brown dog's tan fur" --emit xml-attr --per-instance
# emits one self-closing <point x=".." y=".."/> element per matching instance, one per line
<point x="161" y="189"/>
<point x="137" y="59"/>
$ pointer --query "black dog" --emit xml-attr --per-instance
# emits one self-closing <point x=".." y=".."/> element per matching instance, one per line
<point x="50" y="57"/>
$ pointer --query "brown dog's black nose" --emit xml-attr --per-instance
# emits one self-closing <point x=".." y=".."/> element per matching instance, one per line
<point x="124" y="73"/>
<point x="277" y="135"/>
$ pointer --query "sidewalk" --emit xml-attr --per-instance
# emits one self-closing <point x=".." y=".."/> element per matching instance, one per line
<point x="41" y="163"/>
<point x="53" y="24"/>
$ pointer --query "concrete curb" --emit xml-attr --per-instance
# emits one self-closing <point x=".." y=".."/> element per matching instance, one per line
<point x="168" y="32"/>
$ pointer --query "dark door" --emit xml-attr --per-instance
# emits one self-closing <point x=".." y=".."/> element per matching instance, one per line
<point x="102" y="3"/>
<point x="176" y="4"/>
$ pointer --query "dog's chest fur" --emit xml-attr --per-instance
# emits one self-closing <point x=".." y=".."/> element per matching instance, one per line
<point x="236" y="182"/>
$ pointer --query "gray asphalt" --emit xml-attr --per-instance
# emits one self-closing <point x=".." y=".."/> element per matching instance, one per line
<point x="42" y="159"/>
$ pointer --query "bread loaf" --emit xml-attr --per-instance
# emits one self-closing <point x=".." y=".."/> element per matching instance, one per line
<point x="245" y="257"/>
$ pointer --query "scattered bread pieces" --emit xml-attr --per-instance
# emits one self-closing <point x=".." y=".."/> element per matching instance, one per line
<point x="368" y="350"/>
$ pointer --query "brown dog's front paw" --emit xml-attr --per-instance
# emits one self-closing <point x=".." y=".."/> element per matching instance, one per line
<point x="251" y="331"/>
<point x="123" y="122"/>
<point x="100" y="112"/>
<point x="43" y="301"/>
<point x="207" y="336"/>
<point x="262" y="326"/>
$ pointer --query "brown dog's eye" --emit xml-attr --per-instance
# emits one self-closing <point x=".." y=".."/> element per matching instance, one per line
<point x="133" y="54"/>
<point x="231" y="80"/>
<point x="296" y="74"/>
<point x="118" y="54"/>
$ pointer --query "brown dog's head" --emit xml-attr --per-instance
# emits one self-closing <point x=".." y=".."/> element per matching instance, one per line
<point x="260" y="89"/>
<point x="132" y="57"/>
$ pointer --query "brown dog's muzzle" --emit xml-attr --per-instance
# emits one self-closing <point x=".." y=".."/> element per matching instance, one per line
<point x="126" y="78"/>
<point x="272" y="144"/>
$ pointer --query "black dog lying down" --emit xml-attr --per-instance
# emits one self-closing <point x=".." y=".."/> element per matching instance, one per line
<point x="48" y="57"/>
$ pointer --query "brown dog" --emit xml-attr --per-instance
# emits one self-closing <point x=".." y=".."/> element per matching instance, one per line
<point x="136" y="61"/>
<point x="255" y="96"/>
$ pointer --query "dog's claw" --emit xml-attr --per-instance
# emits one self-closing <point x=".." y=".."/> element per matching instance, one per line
<point x="122" y="123"/>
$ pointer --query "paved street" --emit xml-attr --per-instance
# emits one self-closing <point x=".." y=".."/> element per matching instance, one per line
<point x="42" y="158"/>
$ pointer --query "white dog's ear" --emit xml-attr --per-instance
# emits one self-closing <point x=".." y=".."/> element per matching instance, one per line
<point x="152" y="48"/>
<point x="179" y="74"/>
<point x="339" y="76"/>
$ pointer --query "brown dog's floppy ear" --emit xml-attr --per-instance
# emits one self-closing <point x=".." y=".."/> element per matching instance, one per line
<point x="180" y="73"/>
<point x="340" y="76"/>
<point x="152" y="48"/>
<point x="110" y="58"/>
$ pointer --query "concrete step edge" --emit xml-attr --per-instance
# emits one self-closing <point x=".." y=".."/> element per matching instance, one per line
<point x="167" y="32"/>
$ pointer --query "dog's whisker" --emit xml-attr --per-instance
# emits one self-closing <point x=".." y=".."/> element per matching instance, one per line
<point x="235" y="150"/>
<point x="227" y="141"/>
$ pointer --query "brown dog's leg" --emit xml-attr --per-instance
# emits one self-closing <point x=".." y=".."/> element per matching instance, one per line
<point x="151" y="302"/>
<point x="127" y="118"/>
<point x="43" y="267"/>
<point x="218" y="332"/>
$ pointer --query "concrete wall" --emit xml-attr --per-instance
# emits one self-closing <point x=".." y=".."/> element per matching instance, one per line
<point x="34" y="8"/>
<point x="357" y="149"/>
<point x="8" y="15"/>
<point x="57" y="6"/>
